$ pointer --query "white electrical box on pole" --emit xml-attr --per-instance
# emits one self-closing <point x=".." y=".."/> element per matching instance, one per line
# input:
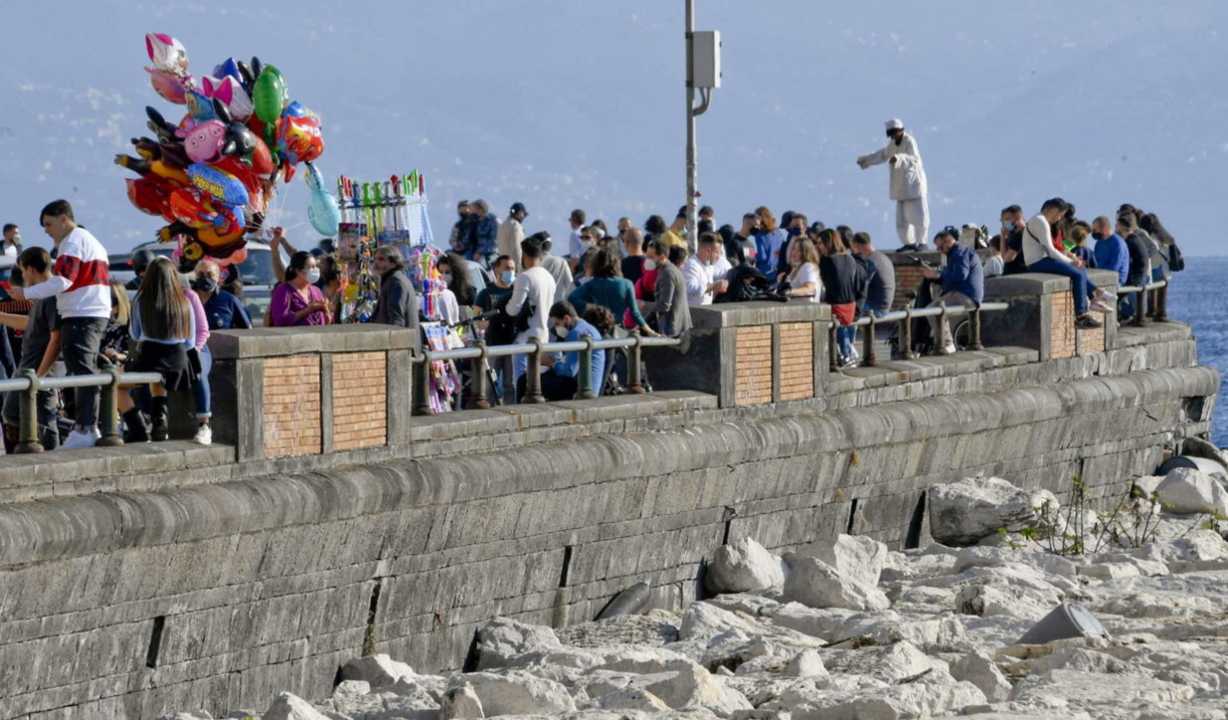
<point x="703" y="73"/>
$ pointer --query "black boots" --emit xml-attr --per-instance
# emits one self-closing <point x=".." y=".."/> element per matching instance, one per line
<point x="137" y="431"/>
<point x="161" y="420"/>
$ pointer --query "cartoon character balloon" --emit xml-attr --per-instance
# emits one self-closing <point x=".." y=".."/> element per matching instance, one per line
<point x="228" y="91"/>
<point x="170" y="86"/>
<point x="166" y="53"/>
<point x="204" y="142"/>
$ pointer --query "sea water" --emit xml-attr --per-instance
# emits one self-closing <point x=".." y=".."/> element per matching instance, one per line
<point x="1198" y="296"/>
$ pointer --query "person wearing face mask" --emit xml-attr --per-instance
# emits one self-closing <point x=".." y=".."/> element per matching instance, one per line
<point x="456" y="277"/>
<point x="1011" y="237"/>
<point x="511" y="233"/>
<point x="908" y="186"/>
<point x="297" y="301"/>
<point x="496" y="294"/>
<point x="562" y="378"/>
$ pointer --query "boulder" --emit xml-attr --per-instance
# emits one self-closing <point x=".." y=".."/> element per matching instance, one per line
<point x="1186" y="490"/>
<point x="744" y="566"/>
<point x="353" y="697"/>
<point x="502" y="639"/>
<point x="855" y="557"/>
<point x="517" y="693"/>
<point x="813" y="582"/>
<point x="376" y="670"/>
<point x="982" y="671"/>
<point x="703" y="621"/>
<point x="632" y="698"/>
<point x="961" y="513"/>
<point x="461" y="703"/>
<point x="692" y="686"/>
<point x="806" y="663"/>
<point x="292" y="707"/>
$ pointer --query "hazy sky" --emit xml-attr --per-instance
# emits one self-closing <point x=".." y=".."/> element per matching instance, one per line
<point x="578" y="103"/>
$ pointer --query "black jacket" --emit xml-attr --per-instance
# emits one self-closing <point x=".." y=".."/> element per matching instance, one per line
<point x="844" y="279"/>
<point x="398" y="303"/>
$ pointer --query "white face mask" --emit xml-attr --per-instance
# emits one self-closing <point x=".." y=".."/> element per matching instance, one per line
<point x="313" y="276"/>
<point x="560" y="331"/>
<point x="650" y="264"/>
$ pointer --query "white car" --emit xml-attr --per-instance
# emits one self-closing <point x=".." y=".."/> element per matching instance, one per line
<point x="256" y="272"/>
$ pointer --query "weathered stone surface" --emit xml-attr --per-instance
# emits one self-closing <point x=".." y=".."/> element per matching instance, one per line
<point x="291" y="707"/>
<point x="980" y="670"/>
<point x="812" y="582"/>
<point x="376" y="670"/>
<point x="1186" y="490"/>
<point x="502" y="639"/>
<point x="961" y="513"/>
<point x="807" y="663"/>
<point x="744" y="566"/>
<point x="517" y="692"/>
<point x="691" y="686"/>
<point x="461" y="703"/>
<point x="632" y="698"/>
<point x="855" y="557"/>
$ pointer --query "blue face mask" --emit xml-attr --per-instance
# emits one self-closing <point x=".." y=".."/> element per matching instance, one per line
<point x="507" y="276"/>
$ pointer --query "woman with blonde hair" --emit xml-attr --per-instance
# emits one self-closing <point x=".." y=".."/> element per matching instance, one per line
<point x="803" y="279"/>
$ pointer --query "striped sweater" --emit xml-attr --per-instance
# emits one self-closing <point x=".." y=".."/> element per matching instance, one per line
<point x="80" y="280"/>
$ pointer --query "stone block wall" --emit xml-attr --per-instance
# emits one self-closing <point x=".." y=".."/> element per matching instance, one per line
<point x="126" y="605"/>
<point x="359" y="400"/>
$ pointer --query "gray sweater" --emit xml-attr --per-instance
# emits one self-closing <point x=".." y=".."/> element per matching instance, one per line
<point x="671" y="307"/>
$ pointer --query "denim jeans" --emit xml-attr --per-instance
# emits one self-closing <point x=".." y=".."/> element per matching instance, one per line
<point x="845" y="334"/>
<point x="1081" y="286"/>
<point x="200" y="387"/>
<point x="80" y="338"/>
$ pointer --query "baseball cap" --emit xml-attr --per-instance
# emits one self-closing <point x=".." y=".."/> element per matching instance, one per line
<point x="519" y="207"/>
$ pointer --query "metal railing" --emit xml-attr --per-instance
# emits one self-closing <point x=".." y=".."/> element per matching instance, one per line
<point x="108" y="419"/>
<point x="481" y="353"/>
<point x="1158" y="306"/>
<point x="904" y="318"/>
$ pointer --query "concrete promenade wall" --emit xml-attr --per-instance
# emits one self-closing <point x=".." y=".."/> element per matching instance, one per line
<point x="218" y="595"/>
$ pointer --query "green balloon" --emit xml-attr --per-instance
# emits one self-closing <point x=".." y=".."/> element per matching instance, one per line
<point x="269" y="95"/>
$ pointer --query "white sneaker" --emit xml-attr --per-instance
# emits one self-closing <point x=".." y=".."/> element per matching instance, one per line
<point x="204" y="436"/>
<point x="78" y="439"/>
<point x="949" y="349"/>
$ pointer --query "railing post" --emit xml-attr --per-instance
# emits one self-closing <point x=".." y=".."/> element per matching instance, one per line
<point x="28" y="440"/>
<point x="870" y="357"/>
<point x="635" y="382"/>
<point x="1162" y="303"/>
<point x="108" y="415"/>
<point x="533" y="375"/>
<point x="479" y="381"/>
<point x="976" y="329"/>
<point x="422" y="372"/>
<point x="1140" y="306"/>
<point x="833" y="349"/>
<point x="942" y="341"/>
<point x="586" y="371"/>
<point x="905" y="335"/>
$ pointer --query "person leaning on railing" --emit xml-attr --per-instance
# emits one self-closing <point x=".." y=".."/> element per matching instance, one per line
<point x="39" y="348"/>
<point x="670" y="307"/>
<point x="607" y="289"/>
<point x="963" y="284"/>
<point x="164" y="328"/>
<point x="562" y="379"/>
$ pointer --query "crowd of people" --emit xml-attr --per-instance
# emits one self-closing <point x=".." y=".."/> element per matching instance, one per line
<point x="509" y="286"/>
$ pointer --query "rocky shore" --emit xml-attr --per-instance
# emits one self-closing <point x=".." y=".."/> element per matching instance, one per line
<point x="1020" y="609"/>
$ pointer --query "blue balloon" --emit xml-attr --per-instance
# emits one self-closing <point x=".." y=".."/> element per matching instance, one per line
<point x="229" y="66"/>
<point x="322" y="209"/>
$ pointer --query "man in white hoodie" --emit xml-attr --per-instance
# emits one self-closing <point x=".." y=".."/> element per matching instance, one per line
<point x="908" y="185"/>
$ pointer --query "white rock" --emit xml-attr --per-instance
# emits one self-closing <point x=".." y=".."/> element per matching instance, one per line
<point x="855" y="557"/>
<point x="353" y="697"/>
<point x="1146" y="485"/>
<point x="1111" y="571"/>
<point x="502" y="639"/>
<point x="1186" y="490"/>
<point x="902" y="661"/>
<point x="692" y="686"/>
<point x="461" y="703"/>
<point x="805" y="664"/>
<point x="292" y="707"/>
<point x="744" y="566"/>
<point x="812" y="582"/>
<point x="517" y="692"/>
<point x="963" y="512"/>
<point x="632" y="699"/>
<point x="1199" y="546"/>
<point x="982" y="671"/>
<point x="202" y="715"/>
<point x="376" y="670"/>
<point x="1088" y="689"/>
<point x="703" y="621"/>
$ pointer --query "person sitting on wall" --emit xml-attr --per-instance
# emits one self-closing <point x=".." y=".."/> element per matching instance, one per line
<point x="1042" y="257"/>
<point x="561" y="380"/>
<point x="963" y="284"/>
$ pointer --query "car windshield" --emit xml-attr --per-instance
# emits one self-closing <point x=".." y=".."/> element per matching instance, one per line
<point x="257" y="269"/>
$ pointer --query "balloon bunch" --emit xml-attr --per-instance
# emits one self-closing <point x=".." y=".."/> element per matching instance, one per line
<point x="212" y="174"/>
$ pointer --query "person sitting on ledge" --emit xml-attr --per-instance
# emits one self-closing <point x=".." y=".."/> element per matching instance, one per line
<point x="1042" y="257"/>
<point x="963" y="283"/>
<point x="561" y="380"/>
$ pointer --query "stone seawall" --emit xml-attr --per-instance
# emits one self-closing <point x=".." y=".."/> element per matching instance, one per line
<point x="129" y="604"/>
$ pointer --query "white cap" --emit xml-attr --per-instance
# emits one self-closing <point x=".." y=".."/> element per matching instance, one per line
<point x="895" y="124"/>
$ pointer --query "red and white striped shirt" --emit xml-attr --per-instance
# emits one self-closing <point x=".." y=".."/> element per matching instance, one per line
<point x="80" y="280"/>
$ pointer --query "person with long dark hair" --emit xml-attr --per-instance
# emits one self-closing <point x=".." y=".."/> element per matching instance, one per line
<point x="607" y="289"/>
<point x="163" y="326"/>
<point x="844" y="286"/>
<point x="297" y="301"/>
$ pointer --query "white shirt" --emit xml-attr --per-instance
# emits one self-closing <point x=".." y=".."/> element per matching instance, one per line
<point x="80" y="281"/>
<point x="9" y="250"/>
<point x="1038" y="242"/>
<point x="574" y="247"/>
<point x="536" y="287"/>
<point x="805" y="274"/>
<point x="698" y="277"/>
<point x="993" y="266"/>
<point x="721" y="268"/>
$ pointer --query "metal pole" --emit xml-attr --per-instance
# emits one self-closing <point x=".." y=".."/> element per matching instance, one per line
<point x="28" y="429"/>
<point x="108" y="416"/>
<point x="869" y="356"/>
<point x="480" y="383"/>
<point x="905" y="335"/>
<point x="635" y="383"/>
<point x="692" y="212"/>
<point x="1161" y="304"/>
<point x="533" y="376"/>
<point x="585" y="387"/>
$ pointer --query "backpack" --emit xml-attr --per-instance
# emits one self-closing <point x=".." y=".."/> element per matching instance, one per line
<point x="1176" y="261"/>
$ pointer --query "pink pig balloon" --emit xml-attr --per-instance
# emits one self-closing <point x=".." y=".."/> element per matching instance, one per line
<point x="204" y="143"/>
